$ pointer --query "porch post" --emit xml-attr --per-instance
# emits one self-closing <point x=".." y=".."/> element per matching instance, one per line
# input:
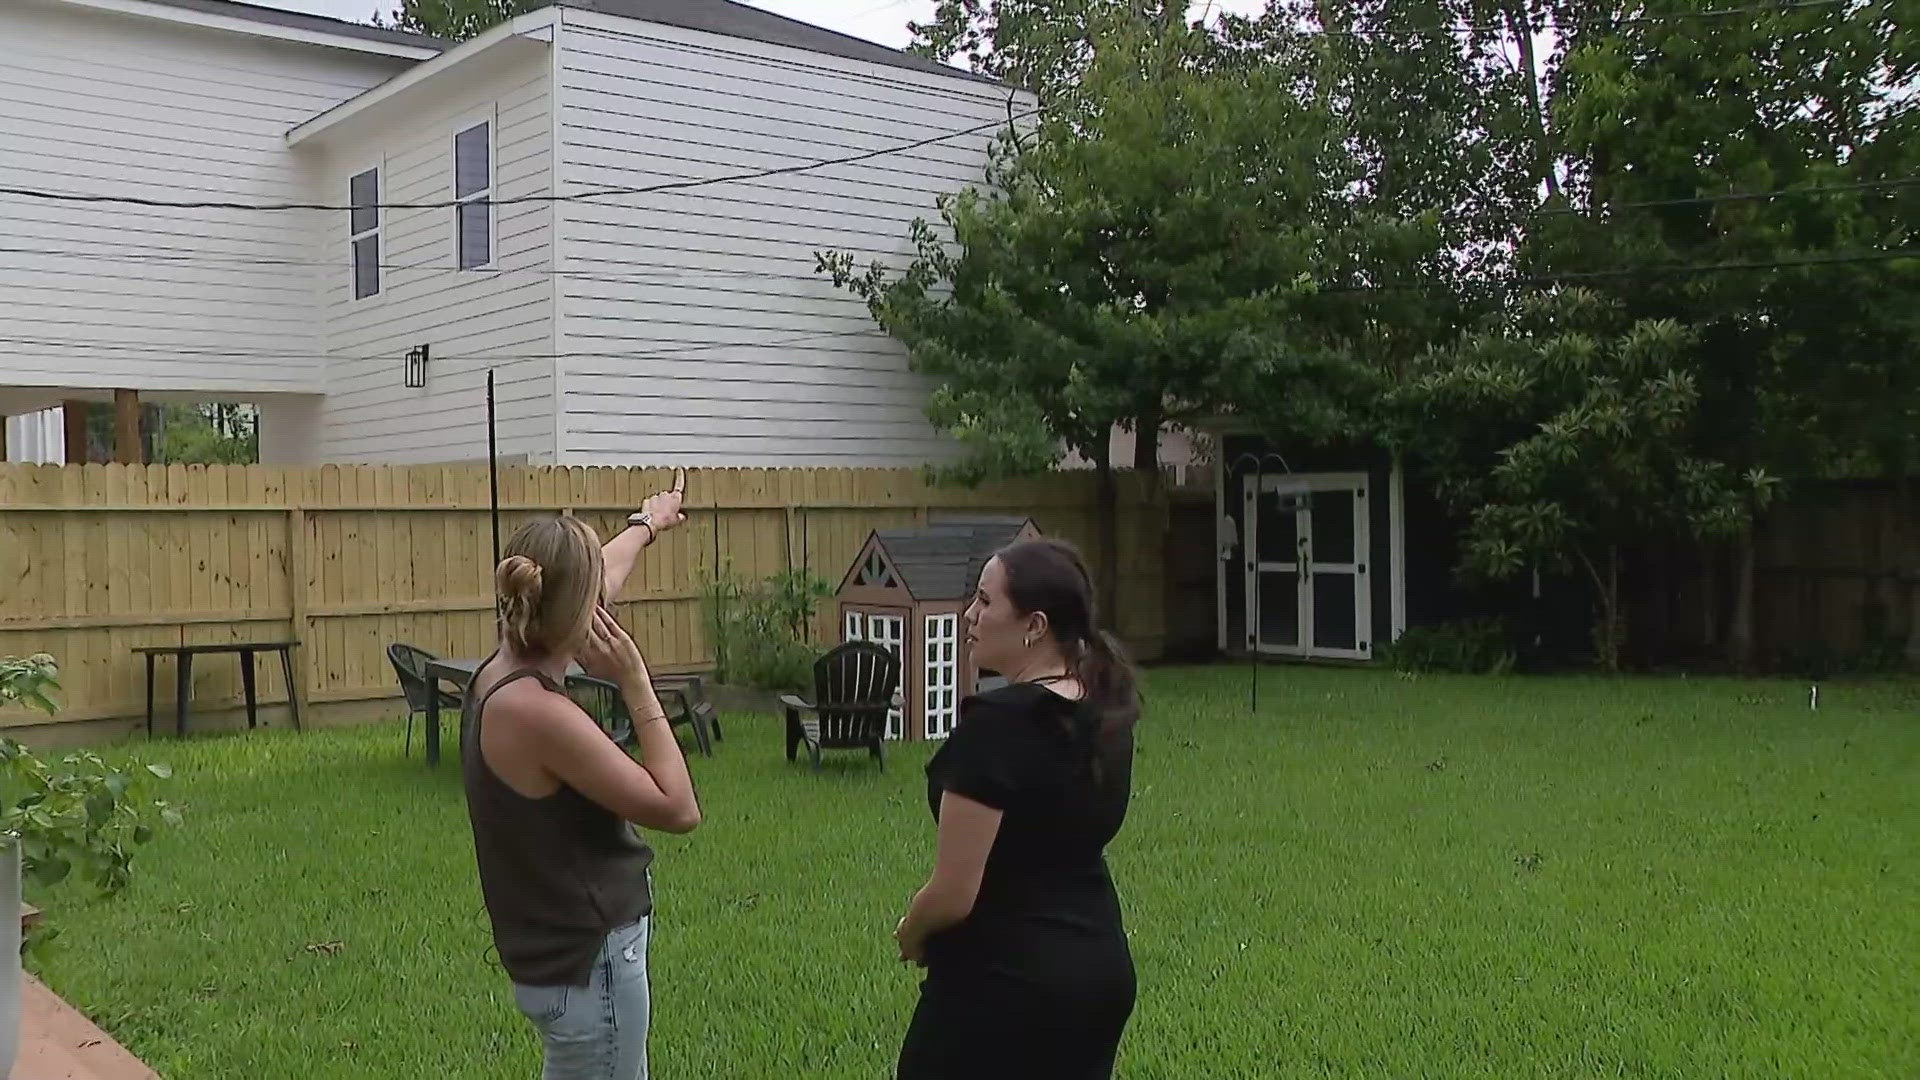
<point x="126" y="427"/>
<point x="74" y="416"/>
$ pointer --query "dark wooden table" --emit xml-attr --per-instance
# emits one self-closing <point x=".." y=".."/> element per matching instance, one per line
<point x="183" y="671"/>
<point x="460" y="673"/>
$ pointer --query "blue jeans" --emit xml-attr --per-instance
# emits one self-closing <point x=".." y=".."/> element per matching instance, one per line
<point x="597" y="1031"/>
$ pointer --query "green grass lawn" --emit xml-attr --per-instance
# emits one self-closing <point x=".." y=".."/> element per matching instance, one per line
<point x="1374" y="877"/>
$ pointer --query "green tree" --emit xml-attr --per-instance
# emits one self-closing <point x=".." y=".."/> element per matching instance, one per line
<point x="1807" y="363"/>
<point x="215" y="433"/>
<point x="1562" y="431"/>
<point x="1138" y="261"/>
<point x="1045" y="46"/>
<point x="455" y="20"/>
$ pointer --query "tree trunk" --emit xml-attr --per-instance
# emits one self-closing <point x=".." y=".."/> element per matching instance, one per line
<point x="1607" y="628"/>
<point x="1544" y="159"/>
<point x="1146" y="443"/>
<point x="1709" y="555"/>
<point x="1740" y="623"/>
<point x="1107" y="511"/>
<point x="1616" y="622"/>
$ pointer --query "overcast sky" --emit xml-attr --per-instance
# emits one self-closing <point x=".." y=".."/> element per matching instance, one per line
<point x="884" y="21"/>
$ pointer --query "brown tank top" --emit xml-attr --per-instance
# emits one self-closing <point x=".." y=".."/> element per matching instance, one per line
<point x="558" y="873"/>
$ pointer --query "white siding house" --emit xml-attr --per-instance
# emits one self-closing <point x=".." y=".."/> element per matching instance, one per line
<point x="729" y="343"/>
<point x="496" y="303"/>
<point x="108" y="99"/>
<point x="676" y="326"/>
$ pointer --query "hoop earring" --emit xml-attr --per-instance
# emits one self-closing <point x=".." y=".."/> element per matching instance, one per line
<point x="1029" y="640"/>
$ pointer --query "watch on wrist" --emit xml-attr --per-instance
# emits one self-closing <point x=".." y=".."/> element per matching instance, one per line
<point x="641" y="517"/>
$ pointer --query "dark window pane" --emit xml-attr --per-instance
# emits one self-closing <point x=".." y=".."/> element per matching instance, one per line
<point x="1333" y="533"/>
<point x="366" y="267"/>
<point x="1279" y="529"/>
<point x="1279" y="608"/>
<point x="363" y="194"/>
<point x="1335" y="616"/>
<point x="476" y="239"/>
<point x="471" y="170"/>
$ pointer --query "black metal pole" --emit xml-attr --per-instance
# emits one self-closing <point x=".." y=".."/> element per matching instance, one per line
<point x="493" y="470"/>
<point x="1259" y="463"/>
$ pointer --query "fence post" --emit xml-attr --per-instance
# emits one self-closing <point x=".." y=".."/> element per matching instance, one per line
<point x="299" y="624"/>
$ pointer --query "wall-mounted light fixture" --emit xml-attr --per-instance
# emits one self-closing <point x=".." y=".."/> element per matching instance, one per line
<point x="417" y="366"/>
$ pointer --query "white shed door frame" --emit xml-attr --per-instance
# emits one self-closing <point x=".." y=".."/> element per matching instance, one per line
<point x="1308" y="591"/>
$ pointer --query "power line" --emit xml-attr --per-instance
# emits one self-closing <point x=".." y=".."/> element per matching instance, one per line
<point x="1625" y="20"/>
<point x="1716" y="268"/>
<point x="190" y="257"/>
<point x="808" y="166"/>
<point x="680" y="351"/>
<point x="448" y="204"/>
<point x="1653" y="270"/>
<point x="1741" y="196"/>
<point x="175" y="254"/>
<point x="672" y="352"/>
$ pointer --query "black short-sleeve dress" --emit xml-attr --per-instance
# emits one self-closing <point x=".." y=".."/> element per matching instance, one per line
<point x="1037" y="980"/>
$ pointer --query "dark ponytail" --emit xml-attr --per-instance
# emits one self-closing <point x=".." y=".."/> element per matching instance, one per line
<point x="1106" y="674"/>
<point x="1050" y="577"/>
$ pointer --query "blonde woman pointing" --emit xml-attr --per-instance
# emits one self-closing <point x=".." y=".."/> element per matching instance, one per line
<point x="553" y="801"/>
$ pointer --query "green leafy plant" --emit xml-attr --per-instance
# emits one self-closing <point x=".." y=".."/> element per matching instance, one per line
<point x="761" y="631"/>
<point x="1467" y="647"/>
<point x="76" y="814"/>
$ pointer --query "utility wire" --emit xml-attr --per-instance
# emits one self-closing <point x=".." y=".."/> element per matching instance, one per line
<point x="176" y="254"/>
<point x="1655" y="270"/>
<point x="448" y="204"/>
<point x="672" y="352"/>
<point x="1624" y="20"/>
<point x="684" y="185"/>
<point x="680" y="351"/>
<point x="1739" y="196"/>
<point x="194" y="258"/>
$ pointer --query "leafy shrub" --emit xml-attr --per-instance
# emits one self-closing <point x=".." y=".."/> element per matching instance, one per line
<point x="1468" y="647"/>
<point x="76" y="814"/>
<point x="761" y="631"/>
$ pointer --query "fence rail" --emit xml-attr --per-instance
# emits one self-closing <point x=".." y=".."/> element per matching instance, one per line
<point x="96" y="560"/>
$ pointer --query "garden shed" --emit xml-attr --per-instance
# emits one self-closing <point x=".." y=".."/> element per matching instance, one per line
<point x="907" y="591"/>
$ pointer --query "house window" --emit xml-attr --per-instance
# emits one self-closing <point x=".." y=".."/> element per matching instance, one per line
<point x="363" y="232"/>
<point x="942" y="674"/>
<point x="472" y="189"/>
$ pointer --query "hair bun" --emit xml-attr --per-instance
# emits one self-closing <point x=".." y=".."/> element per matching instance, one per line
<point x="519" y="581"/>
<point x="519" y="578"/>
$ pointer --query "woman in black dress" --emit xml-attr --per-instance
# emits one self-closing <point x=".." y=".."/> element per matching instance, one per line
<point x="1027" y="967"/>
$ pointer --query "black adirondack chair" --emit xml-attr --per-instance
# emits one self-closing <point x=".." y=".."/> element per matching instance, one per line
<point x="410" y="664"/>
<point x="854" y="687"/>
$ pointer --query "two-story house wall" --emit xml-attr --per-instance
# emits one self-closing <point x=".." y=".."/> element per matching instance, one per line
<point x="611" y="206"/>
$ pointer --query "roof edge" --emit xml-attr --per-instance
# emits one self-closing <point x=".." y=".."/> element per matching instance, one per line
<point x="856" y="49"/>
<point x="528" y="27"/>
<point x="257" y="21"/>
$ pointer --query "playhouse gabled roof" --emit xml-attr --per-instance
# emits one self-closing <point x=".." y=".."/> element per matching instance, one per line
<point x="942" y="560"/>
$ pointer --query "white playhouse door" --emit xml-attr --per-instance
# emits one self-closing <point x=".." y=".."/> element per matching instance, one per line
<point x="942" y="674"/>
<point x="888" y="632"/>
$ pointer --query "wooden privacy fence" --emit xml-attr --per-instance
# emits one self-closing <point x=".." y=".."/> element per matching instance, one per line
<point x="98" y="559"/>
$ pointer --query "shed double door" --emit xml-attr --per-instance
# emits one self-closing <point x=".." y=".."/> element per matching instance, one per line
<point x="1308" y="591"/>
<point x="889" y="631"/>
